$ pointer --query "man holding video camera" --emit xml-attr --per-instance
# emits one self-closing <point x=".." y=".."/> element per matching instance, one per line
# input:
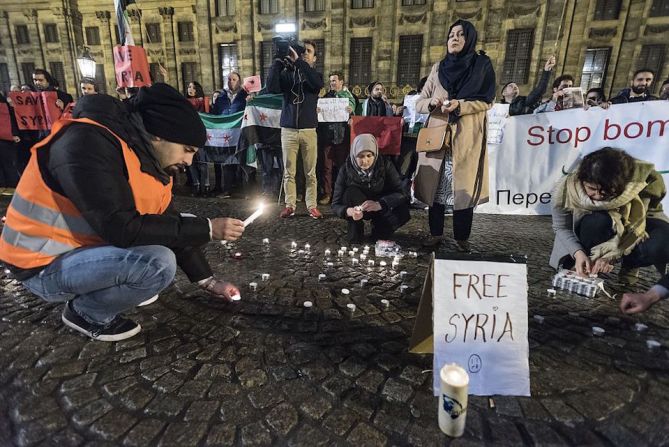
<point x="293" y="75"/>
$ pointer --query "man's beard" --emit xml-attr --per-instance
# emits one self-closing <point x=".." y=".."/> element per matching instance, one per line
<point x="639" y="90"/>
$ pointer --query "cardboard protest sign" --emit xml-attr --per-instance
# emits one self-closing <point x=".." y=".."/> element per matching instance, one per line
<point x="200" y="104"/>
<point x="252" y="84"/>
<point x="35" y="110"/>
<point x="131" y="66"/>
<point x="474" y="311"/>
<point x="386" y="129"/>
<point x="333" y="110"/>
<point x="5" y="123"/>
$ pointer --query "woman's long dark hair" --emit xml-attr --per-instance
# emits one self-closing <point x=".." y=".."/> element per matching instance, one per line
<point x="199" y="91"/>
<point x="611" y="169"/>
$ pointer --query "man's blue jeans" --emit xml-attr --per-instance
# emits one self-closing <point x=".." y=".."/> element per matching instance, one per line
<point x="105" y="281"/>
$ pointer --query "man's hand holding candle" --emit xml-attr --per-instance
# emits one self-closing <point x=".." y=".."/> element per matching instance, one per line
<point x="226" y="228"/>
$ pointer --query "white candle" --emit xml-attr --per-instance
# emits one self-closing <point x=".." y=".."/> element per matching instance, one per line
<point x="327" y="252"/>
<point x="370" y="263"/>
<point x="253" y="286"/>
<point x="382" y="263"/>
<point x="264" y="276"/>
<point x="345" y="291"/>
<point x="249" y="220"/>
<point x="385" y="303"/>
<point x="354" y="261"/>
<point x="236" y="297"/>
<point x="343" y="249"/>
<point x="355" y="249"/>
<point x="307" y="247"/>
<point x="363" y="257"/>
<point x="597" y="331"/>
<point x="403" y="288"/>
<point x="453" y="400"/>
<point x="321" y="277"/>
<point x="403" y="273"/>
<point x="307" y="304"/>
<point x="293" y="245"/>
<point x="351" y="253"/>
<point x="363" y="282"/>
<point x="351" y="307"/>
<point x="265" y="241"/>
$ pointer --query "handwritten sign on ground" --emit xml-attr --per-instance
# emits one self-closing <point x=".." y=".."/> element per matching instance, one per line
<point x="35" y="110"/>
<point x="131" y="66"/>
<point x="333" y="110"/>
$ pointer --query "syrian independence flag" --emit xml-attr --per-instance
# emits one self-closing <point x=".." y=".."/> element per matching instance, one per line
<point x="124" y="31"/>
<point x="223" y="130"/>
<point x="262" y="117"/>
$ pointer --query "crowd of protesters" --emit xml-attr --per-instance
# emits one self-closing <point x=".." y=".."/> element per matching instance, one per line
<point x="160" y="134"/>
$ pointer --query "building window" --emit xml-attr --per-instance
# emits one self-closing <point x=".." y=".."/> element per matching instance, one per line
<point x="269" y="6"/>
<point x="153" y="34"/>
<point x="412" y="2"/>
<point x="314" y="5"/>
<point x="5" y="82"/>
<point x="652" y="56"/>
<point x="660" y="8"/>
<point x="518" y="55"/>
<point x="594" y="68"/>
<point x="360" y="62"/>
<point x="266" y="58"/>
<point x="92" y="35"/>
<point x="227" y="60"/>
<point x="225" y="7"/>
<point x="58" y="72"/>
<point x="22" y="36"/>
<point x="185" y="31"/>
<point x="320" y="56"/>
<point x="27" y="69"/>
<point x="360" y="4"/>
<point x="154" y="71"/>
<point x="189" y="73"/>
<point x="607" y="9"/>
<point x="100" y="78"/>
<point x="50" y="33"/>
<point x="408" y="60"/>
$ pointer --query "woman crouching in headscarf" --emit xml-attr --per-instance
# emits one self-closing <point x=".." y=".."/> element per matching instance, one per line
<point x="369" y="188"/>
<point x="459" y="91"/>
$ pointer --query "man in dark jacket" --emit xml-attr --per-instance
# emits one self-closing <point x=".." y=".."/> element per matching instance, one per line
<point x="524" y="105"/>
<point x="232" y="99"/>
<point x="300" y="84"/>
<point x="639" y="90"/>
<point x="96" y="228"/>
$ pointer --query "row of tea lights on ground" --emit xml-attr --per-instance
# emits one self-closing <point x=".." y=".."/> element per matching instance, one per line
<point x="354" y="261"/>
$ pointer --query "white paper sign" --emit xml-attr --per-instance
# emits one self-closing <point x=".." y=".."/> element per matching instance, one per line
<point x="496" y="121"/>
<point x="537" y="149"/>
<point x="480" y="323"/>
<point x="410" y="115"/>
<point x="333" y="110"/>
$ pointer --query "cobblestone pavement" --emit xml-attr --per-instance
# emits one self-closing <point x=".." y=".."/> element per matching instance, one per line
<point x="269" y="371"/>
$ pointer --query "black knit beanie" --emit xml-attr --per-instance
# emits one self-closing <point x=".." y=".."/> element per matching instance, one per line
<point x="168" y="115"/>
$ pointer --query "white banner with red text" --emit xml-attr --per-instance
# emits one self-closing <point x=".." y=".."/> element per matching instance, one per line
<point x="529" y="153"/>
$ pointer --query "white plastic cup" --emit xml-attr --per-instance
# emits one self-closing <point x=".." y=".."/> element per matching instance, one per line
<point x="453" y="400"/>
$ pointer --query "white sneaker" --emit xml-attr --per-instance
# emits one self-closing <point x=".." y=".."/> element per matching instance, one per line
<point x="151" y="300"/>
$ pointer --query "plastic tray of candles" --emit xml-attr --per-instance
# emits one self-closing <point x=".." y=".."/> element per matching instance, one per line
<point x="569" y="281"/>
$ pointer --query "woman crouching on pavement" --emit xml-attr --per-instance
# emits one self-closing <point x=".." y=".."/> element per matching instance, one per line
<point x="610" y="210"/>
<point x="369" y="187"/>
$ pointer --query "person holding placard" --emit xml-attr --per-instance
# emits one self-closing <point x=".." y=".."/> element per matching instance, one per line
<point x="609" y="210"/>
<point x="369" y="188"/>
<point x="459" y="91"/>
<point x="198" y="171"/>
<point x="96" y="229"/>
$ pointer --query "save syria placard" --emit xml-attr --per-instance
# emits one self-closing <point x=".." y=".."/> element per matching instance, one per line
<point x="536" y="150"/>
<point x="480" y="323"/>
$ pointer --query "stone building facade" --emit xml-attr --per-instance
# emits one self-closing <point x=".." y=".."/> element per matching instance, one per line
<point x="601" y="42"/>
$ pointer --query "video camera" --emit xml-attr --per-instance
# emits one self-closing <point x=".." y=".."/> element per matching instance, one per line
<point x="282" y="44"/>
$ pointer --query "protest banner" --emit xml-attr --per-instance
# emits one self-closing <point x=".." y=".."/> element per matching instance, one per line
<point x="252" y="84"/>
<point x="333" y="110"/>
<point x="35" y="110"/>
<point x="131" y="66"/>
<point x="537" y="150"/>
<point x="386" y="129"/>
<point x="5" y="123"/>
<point x="473" y="312"/>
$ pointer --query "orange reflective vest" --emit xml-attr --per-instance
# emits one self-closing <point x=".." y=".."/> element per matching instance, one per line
<point x="42" y="224"/>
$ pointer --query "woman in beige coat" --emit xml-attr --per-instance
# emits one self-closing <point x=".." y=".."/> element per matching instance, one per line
<point x="458" y="92"/>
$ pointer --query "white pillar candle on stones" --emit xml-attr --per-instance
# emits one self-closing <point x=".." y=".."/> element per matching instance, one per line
<point x="293" y="245"/>
<point x="327" y="252"/>
<point x="264" y="276"/>
<point x="321" y="277"/>
<point x="253" y="286"/>
<point x="370" y="263"/>
<point x="354" y="261"/>
<point x="453" y="400"/>
<point x="382" y="263"/>
<point x="363" y="257"/>
<point x="265" y="241"/>
<point x="307" y="247"/>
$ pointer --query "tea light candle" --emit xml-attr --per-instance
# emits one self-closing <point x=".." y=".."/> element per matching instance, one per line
<point x="597" y="331"/>
<point x="249" y="220"/>
<point x="327" y="252"/>
<point x="454" y="389"/>
<point x="300" y="252"/>
<point x="366" y="248"/>
<point x="351" y="253"/>
<point x="237" y="255"/>
<point x="382" y="263"/>
<point x="640" y="327"/>
<point x="413" y="254"/>
<point x="363" y="282"/>
<point x="363" y="257"/>
<point x="354" y="261"/>
<point x="403" y="288"/>
<point x="307" y="304"/>
<point x="253" y="286"/>
<point x="236" y="297"/>
<point x="264" y="276"/>
<point x="340" y="253"/>
<point x="355" y="249"/>
<point x="330" y="264"/>
<point x="385" y="303"/>
<point x="370" y="263"/>
<point x="345" y="291"/>
<point x="265" y="241"/>
<point x="321" y="277"/>
<point x="343" y="249"/>
<point x="403" y="274"/>
<point x="307" y="247"/>
<point x="351" y="307"/>
<point x="293" y="245"/>
<point x="653" y="344"/>
<point x="539" y="319"/>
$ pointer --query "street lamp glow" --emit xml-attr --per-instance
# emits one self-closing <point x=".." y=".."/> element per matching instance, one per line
<point x="86" y="64"/>
<point x="285" y="28"/>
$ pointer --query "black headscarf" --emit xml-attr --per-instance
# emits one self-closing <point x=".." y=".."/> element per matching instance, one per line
<point x="467" y="75"/>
